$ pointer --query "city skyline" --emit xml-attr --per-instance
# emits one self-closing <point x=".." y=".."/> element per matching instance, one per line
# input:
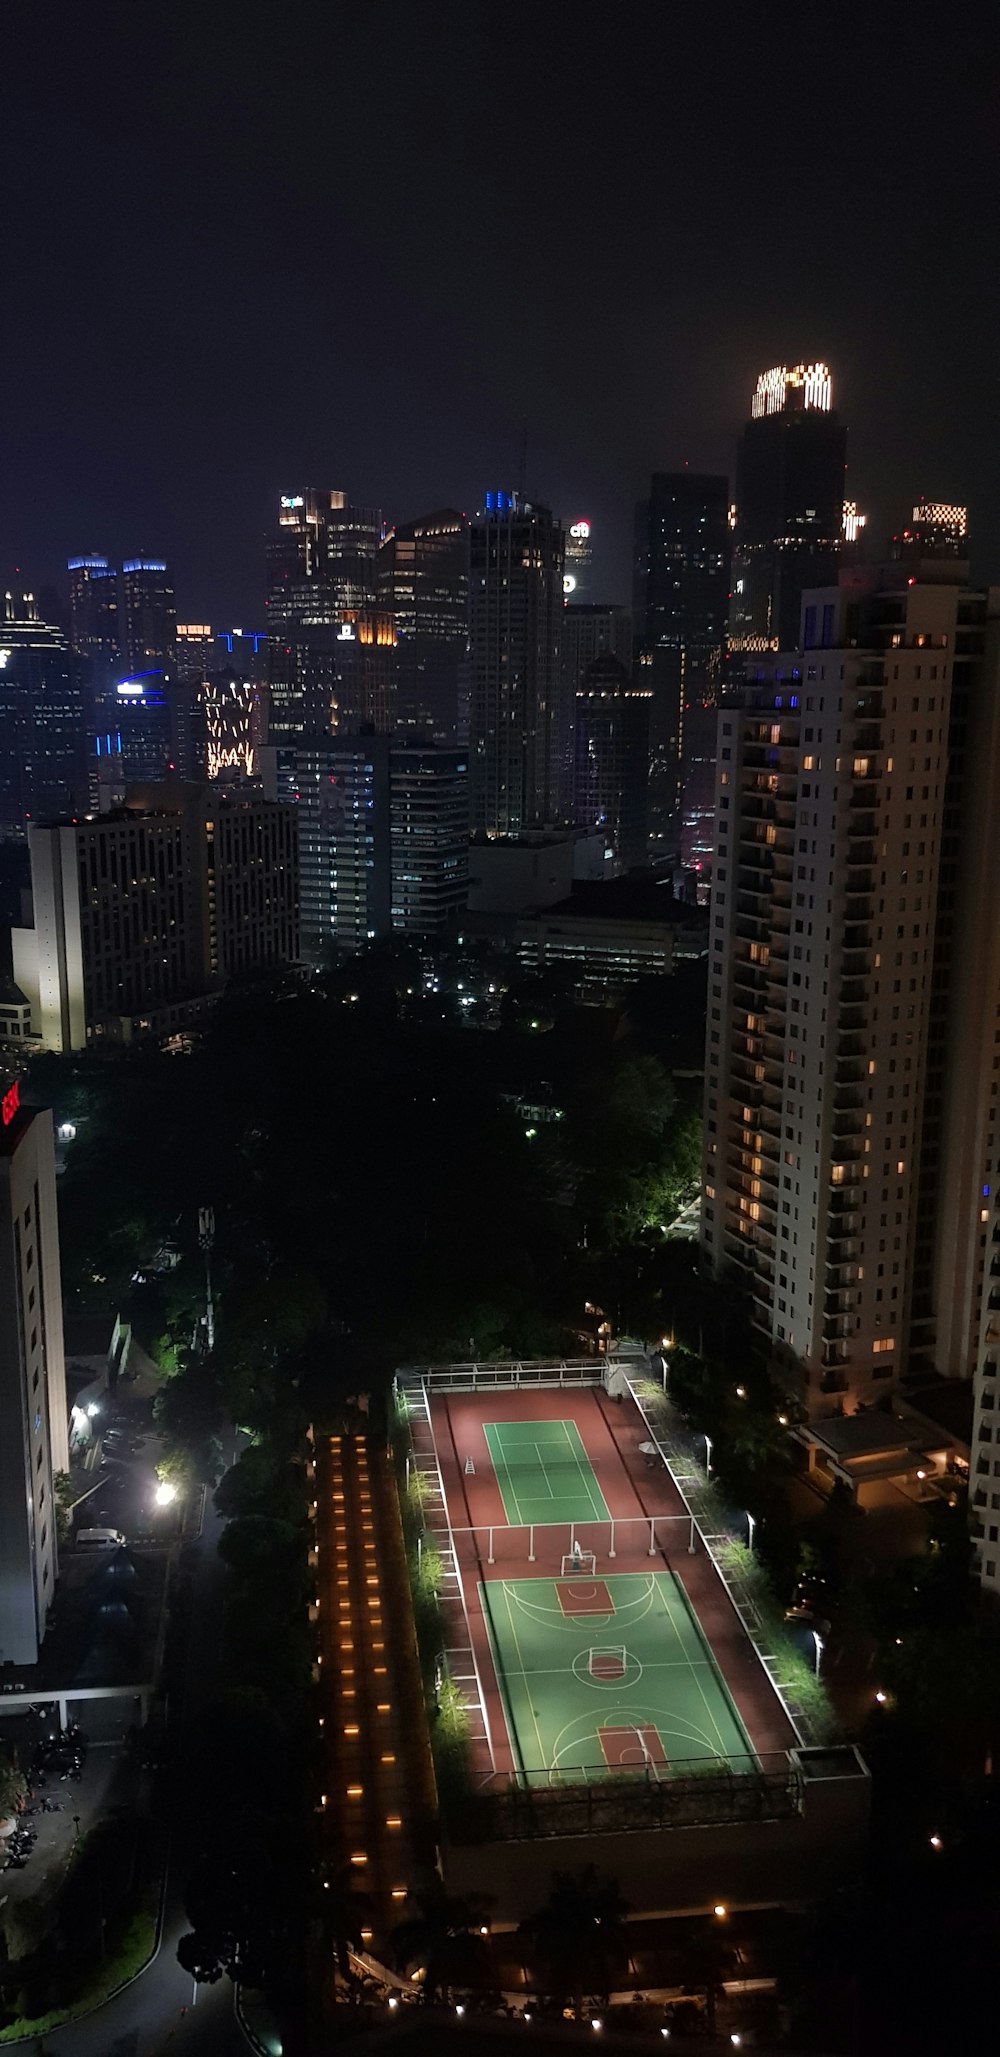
<point x="431" y="363"/>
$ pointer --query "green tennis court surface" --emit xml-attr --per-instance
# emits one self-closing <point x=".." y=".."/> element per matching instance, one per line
<point x="543" y="1472"/>
<point x="606" y="1676"/>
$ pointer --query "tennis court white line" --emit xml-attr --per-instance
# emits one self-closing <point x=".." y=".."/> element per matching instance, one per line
<point x="523" y="1676"/>
<point x="585" y="1481"/>
<point x="585" y="1478"/>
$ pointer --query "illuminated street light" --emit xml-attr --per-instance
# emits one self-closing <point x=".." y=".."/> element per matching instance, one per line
<point x="751" y="1525"/>
<point x="708" y="1453"/>
<point x="936" y="1843"/>
<point x="741" y="1392"/>
<point x="165" y="1493"/>
<point x="719" y="1911"/>
<point x="881" y="1697"/>
<point x="818" y="1640"/>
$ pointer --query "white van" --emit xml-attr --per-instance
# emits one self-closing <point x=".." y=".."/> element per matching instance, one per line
<point x="99" y="1539"/>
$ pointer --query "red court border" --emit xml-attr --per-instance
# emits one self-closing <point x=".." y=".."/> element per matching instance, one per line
<point x="610" y="1431"/>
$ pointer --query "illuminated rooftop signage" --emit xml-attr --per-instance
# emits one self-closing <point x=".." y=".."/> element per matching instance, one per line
<point x="941" y="514"/>
<point x="144" y="564"/>
<point x="781" y="388"/>
<point x="580" y="531"/>
<point x="10" y="1103"/>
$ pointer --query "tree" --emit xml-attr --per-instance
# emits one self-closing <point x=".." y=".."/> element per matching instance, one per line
<point x="188" y="1414"/>
<point x="577" y="1939"/>
<point x="446" y="1937"/>
<point x="261" y="1482"/>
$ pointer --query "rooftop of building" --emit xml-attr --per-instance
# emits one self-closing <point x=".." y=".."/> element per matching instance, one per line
<point x="638" y="897"/>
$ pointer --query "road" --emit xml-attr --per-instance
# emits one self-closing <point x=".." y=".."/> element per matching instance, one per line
<point x="162" y="2012"/>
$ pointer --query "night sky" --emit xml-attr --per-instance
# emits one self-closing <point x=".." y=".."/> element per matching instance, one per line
<point x="251" y="248"/>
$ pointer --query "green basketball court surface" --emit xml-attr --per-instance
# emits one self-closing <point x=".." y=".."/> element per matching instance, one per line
<point x="543" y="1472"/>
<point x="601" y="1677"/>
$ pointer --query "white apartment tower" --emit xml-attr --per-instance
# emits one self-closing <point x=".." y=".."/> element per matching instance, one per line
<point x="846" y="1124"/>
<point x="33" y="1424"/>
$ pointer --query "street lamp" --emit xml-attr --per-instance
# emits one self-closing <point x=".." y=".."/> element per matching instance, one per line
<point x="818" y="1640"/>
<point x="751" y="1525"/>
<point x="708" y="1453"/>
<point x="165" y="1494"/>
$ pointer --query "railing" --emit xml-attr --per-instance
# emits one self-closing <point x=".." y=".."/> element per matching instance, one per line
<point x="697" y="1494"/>
<point x="473" y="1377"/>
<point x="629" y="1535"/>
<point x="529" y="1806"/>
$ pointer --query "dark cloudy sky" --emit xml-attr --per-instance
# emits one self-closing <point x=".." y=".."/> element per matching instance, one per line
<point x="252" y="247"/>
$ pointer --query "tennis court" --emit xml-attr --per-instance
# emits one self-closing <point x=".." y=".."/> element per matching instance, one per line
<point x="605" y="1676"/>
<point x="543" y="1472"/>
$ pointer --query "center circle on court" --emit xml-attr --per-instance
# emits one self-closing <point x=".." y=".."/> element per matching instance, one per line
<point x="616" y="1680"/>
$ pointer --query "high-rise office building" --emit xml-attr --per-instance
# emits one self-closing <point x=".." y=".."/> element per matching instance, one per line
<point x="681" y="601"/>
<point x="937" y="529"/>
<point x="144" y="912"/>
<point x="612" y="759"/>
<point x="93" y="613"/>
<point x="340" y="785"/>
<point x="43" y="766"/>
<point x="850" y="1124"/>
<point x="588" y="630"/>
<point x="140" y="712"/>
<point x="365" y="685"/>
<point x="578" y="561"/>
<point x="34" y="1444"/>
<point x="321" y="569"/>
<point x="231" y="733"/>
<point x="148" y="619"/>
<point x="789" y="511"/>
<point x="517" y="719"/>
<point x="424" y="583"/>
<point x="429" y="834"/>
<point x="197" y="651"/>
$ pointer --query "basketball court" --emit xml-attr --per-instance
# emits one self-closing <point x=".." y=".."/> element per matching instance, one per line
<point x="610" y="1675"/>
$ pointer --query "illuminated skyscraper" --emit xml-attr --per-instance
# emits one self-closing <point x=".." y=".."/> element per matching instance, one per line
<point x="515" y="619"/>
<point x="424" y="582"/>
<point x="579" y="558"/>
<point x="589" y="629"/>
<point x="196" y="651"/>
<point x="681" y="599"/>
<point x="611" y="731"/>
<point x="93" y="609"/>
<point x="148" y="618"/>
<point x="852" y="1136"/>
<point x="937" y="529"/>
<point x="229" y="704"/>
<point x="789" y="513"/>
<point x="429" y="837"/>
<point x="340" y="785"/>
<point x="321" y="567"/>
<point x="43" y="768"/>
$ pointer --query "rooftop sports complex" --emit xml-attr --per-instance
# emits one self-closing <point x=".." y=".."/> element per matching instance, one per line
<point x="589" y="1631"/>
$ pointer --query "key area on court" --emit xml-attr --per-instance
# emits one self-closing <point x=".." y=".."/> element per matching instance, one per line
<point x="607" y="1676"/>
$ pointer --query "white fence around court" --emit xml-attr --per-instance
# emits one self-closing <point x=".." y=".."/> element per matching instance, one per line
<point x="514" y="1375"/>
<point x="648" y="1535"/>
